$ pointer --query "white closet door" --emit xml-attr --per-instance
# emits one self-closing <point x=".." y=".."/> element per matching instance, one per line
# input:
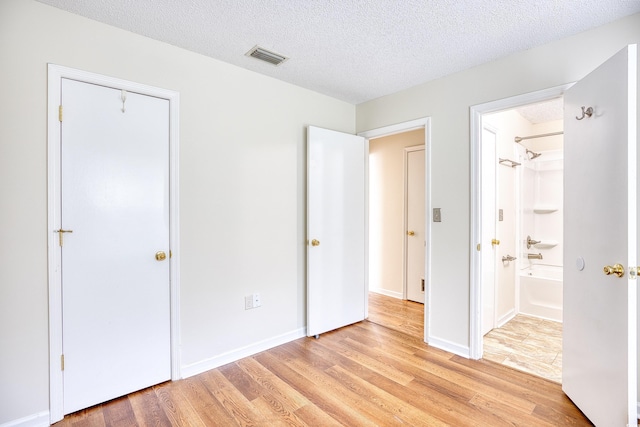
<point x="115" y="200"/>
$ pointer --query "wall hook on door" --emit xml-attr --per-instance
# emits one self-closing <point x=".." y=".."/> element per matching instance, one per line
<point x="588" y="113"/>
<point x="123" y="96"/>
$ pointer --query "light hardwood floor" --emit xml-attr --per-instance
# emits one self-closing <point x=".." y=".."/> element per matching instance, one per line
<point x="361" y="375"/>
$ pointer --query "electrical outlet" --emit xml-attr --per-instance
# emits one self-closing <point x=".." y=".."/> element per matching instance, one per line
<point x="257" y="300"/>
<point x="248" y="302"/>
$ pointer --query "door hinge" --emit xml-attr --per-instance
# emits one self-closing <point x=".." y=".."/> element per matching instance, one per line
<point x="60" y="112"/>
<point x="62" y="362"/>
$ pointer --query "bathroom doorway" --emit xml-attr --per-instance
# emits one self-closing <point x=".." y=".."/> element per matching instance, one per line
<point x="520" y="236"/>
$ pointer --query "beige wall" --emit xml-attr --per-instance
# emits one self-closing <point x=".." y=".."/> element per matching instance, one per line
<point x="447" y="101"/>
<point x="242" y="188"/>
<point x="386" y="210"/>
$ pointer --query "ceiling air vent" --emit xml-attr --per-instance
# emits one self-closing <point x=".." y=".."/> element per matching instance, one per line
<point x="267" y="56"/>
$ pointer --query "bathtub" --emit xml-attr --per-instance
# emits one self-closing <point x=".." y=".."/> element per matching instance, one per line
<point x="541" y="291"/>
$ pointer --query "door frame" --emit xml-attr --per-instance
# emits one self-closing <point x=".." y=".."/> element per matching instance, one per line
<point x="423" y="123"/>
<point x="55" y="75"/>
<point x="475" y="262"/>
<point x="405" y="252"/>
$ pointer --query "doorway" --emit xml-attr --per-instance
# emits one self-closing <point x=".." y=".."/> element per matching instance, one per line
<point x="78" y="90"/>
<point x="522" y="224"/>
<point x="392" y="246"/>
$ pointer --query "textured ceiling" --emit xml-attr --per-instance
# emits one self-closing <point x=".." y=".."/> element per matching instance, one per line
<point x="543" y="112"/>
<point x="355" y="50"/>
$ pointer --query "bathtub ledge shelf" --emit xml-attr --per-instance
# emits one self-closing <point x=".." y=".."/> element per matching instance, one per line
<point x="546" y="244"/>
<point x="544" y="209"/>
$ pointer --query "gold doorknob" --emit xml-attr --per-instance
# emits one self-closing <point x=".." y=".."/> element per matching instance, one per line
<point x="617" y="269"/>
<point x="161" y="256"/>
<point x="315" y="242"/>
<point x="411" y="233"/>
<point x="495" y="242"/>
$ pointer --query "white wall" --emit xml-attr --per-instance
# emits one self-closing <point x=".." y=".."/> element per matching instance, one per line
<point x="447" y="101"/>
<point x="386" y="210"/>
<point x="242" y="184"/>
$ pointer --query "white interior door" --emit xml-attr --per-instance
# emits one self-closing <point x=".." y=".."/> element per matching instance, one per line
<point x="336" y="214"/>
<point x="416" y="237"/>
<point x="488" y="233"/>
<point x="115" y="200"/>
<point x="599" y="334"/>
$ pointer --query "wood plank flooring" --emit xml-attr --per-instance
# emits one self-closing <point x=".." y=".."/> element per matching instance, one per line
<point x="399" y="315"/>
<point x="361" y="375"/>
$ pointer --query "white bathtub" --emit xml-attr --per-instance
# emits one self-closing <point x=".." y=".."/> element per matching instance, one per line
<point x="541" y="291"/>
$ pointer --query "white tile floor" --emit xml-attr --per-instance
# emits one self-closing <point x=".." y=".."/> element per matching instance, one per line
<point x="528" y="344"/>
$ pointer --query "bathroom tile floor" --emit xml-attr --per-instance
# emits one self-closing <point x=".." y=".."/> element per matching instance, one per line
<point x="528" y="344"/>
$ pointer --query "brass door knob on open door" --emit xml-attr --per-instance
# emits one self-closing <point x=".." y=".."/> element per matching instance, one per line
<point x="495" y="242"/>
<point x="411" y="233"/>
<point x="161" y="256"/>
<point x="315" y="242"/>
<point x="616" y="269"/>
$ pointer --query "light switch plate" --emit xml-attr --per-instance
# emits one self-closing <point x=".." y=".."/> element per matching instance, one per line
<point x="437" y="217"/>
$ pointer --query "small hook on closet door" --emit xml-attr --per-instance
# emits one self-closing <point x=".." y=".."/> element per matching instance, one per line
<point x="123" y="96"/>
<point x="588" y="113"/>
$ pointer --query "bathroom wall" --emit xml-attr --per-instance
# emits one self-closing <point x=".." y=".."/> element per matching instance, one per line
<point x="542" y="187"/>
<point x="386" y="210"/>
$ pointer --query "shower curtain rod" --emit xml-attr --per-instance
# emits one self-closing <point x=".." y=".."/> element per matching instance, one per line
<point x="521" y="138"/>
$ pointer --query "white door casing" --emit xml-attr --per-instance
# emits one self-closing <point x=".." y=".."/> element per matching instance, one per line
<point x="107" y="248"/>
<point x="600" y="161"/>
<point x="415" y="237"/>
<point x="336" y="230"/>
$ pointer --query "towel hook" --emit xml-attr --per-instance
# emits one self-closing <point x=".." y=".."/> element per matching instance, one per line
<point x="588" y="112"/>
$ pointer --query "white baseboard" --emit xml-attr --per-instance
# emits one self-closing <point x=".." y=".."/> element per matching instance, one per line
<point x="445" y="345"/>
<point x="504" y="319"/>
<point x="237" y="354"/>
<point x="41" y="419"/>
<point x="392" y="294"/>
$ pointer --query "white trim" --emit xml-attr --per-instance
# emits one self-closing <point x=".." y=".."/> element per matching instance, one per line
<point x="366" y="228"/>
<point x="449" y="346"/>
<point x="406" y="127"/>
<point x="392" y="294"/>
<point x="41" y="419"/>
<point x="239" y="353"/>
<point x="476" y="112"/>
<point x="55" y="75"/>
<point x="405" y="227"/>
<point x="397" y="128"/>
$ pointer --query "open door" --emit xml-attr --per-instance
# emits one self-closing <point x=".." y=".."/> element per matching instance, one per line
<point x="600" y="260"/>
<point x="336" y="230"/>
